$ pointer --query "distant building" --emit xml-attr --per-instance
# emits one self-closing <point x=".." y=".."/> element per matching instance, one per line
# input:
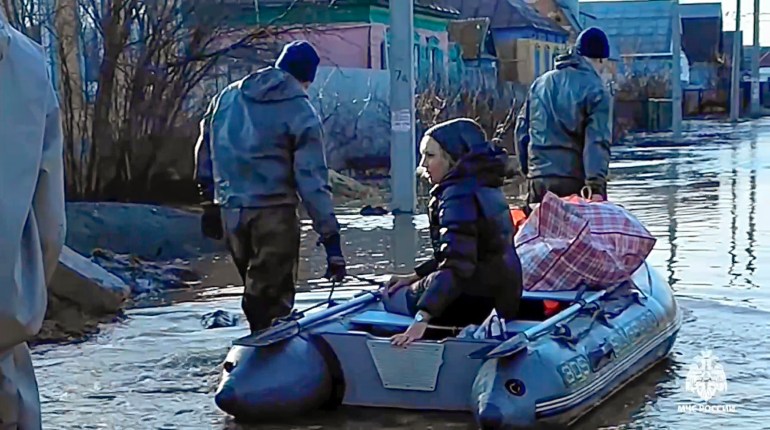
<point x="354" y="33"/>
<point x="565" y="13"/>
<point x="764" y="66"/>
<point x="703" y="42"/>
<point x="522" y="43"/>
<point x="640" y="34"/>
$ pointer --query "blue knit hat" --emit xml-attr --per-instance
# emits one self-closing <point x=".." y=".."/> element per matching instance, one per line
<point x="593" y="43"/>
<point x="299" y="59"/>
<point x="459" y="137"/>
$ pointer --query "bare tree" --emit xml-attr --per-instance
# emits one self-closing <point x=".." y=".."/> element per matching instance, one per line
<point x="494" y="109"/>
<point x="148" y="65"/>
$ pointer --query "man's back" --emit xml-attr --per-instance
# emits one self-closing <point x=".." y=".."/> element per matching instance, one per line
<point x="566" y="105"/>
<point x="261" y="149"/>
<point x="265" y="147"/>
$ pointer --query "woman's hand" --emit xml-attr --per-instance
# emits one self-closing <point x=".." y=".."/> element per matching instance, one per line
<point x="396" y="282"/>
<point x="415" y="332"/>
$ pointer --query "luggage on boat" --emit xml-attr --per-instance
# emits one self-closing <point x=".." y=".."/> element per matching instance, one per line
<point x="570" y="242"/>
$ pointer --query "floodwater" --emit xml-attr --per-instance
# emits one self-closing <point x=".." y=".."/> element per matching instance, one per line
<point x="703" y="198"/>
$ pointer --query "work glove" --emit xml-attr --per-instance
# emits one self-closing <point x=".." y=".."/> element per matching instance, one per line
<point x="335" y="262"/>
<point x="211" y="222"/>
<point x="597" y="188"/>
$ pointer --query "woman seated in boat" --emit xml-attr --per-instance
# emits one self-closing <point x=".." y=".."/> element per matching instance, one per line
<point x="474" y="268"/>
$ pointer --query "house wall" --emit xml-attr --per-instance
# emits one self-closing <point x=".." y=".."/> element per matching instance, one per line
<point x="507" y="34"/>
<point x="426" y="40"/>
<point x="340" y="45"/>
<point x="431" y="41"/>
<point x="524" y="60"/>
<point x="364" y="45"/>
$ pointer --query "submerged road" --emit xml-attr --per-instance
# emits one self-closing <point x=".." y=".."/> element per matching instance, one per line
<point x="705" y="199"/>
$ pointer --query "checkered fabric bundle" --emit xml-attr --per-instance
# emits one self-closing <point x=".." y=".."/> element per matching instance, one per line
<point x="568" y="242"/>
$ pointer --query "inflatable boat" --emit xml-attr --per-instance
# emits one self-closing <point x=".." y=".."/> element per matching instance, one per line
<point x="536" y="371"/>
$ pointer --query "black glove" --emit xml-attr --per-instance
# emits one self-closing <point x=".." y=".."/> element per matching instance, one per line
<point x="211" y="222"/>
<point x="597" y="187"/>
<point x="335" y="269"/>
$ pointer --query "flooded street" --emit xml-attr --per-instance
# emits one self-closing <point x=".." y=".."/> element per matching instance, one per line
<point x="704" y="199"/>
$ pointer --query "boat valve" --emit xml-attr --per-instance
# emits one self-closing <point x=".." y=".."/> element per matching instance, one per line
<point x="515" y="387"/>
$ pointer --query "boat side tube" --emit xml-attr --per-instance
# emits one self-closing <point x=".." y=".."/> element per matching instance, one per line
<point x="286" y="369"/>
<point x="299" y="322"/>
<point x="520" y="342"/>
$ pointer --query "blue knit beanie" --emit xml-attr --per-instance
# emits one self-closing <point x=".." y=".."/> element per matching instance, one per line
<point x="593" y="43"/>
<point x="299" y="59"/>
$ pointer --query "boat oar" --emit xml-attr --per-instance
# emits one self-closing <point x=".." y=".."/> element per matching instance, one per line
<point x="356" y="277"/>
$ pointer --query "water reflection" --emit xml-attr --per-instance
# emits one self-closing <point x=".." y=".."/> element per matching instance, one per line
<point x="672" y="225"/>
<point x="708" y="189"/>
<point x="733" y="215"/>
<point x="752" y="212"/>
<point x="628" y="405"/>
<point x="699" y="198"/>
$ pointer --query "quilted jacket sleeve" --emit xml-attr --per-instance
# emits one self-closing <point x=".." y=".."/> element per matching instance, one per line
<point x="458" y="215"/>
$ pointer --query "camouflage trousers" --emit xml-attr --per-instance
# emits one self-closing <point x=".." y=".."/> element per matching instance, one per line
<point x="264" y="244"/>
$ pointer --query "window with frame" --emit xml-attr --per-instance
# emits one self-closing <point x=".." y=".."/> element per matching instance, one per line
<point x="435" y="58"/>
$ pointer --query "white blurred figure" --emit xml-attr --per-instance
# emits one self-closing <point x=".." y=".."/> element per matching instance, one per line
<point x="32" y="223"/>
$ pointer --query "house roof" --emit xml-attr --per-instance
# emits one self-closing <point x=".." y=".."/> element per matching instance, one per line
<point x="765" y="60"/>
<point x="434" y="6"/>
<point x="571" y="12"/>
<point x="635" y="27"/>
<point x="504" y="14"/>
<point x="645" y="26"/>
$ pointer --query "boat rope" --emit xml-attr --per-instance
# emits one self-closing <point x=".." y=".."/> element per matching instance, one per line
<point x="330" y="300"/>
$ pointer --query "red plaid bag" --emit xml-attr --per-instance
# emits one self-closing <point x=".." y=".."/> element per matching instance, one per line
<point x="571" y="241"/>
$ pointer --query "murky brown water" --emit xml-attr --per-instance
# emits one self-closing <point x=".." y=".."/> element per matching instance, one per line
<point x="704" y="199"/>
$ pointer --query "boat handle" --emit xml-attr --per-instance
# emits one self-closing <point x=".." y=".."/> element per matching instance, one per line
<point x="600" y="356"/>
<point x="562" y="334"/>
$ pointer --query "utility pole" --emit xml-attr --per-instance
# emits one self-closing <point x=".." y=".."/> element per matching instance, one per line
<point x="755" y="107"/>
<point x="402" y="86"/>
<point x="735" y="85"/>
<point x="676" y="72"/>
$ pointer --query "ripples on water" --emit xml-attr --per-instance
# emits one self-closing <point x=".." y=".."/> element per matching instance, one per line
<point x="703" y="198"/>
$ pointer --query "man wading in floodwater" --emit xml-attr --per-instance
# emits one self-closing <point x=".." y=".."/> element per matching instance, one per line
<point x="261" y="144"/>
<point x="32" y="222"/>
<point x="563" y="131"/>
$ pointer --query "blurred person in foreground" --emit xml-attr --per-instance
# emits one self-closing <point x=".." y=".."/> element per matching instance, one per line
<point x="32" y="222"/>
<point x="261" y="149"/>
<point x="563" y="132"/>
